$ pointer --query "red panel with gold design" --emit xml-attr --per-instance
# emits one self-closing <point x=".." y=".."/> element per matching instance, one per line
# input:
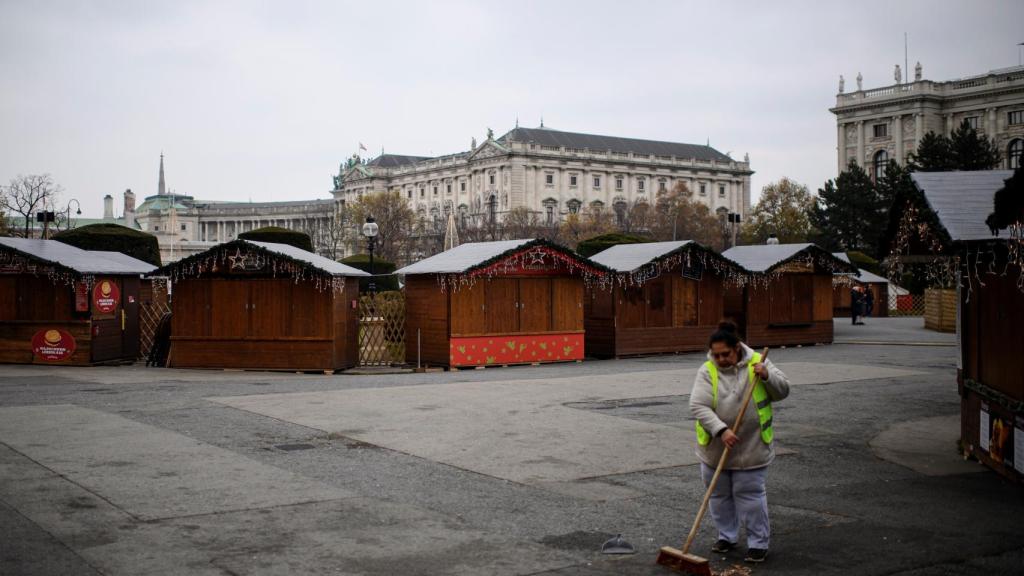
<point x="518" y="349"/>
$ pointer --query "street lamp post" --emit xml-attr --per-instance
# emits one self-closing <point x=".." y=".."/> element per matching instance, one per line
<point x="370" y="230"/>
<point x="734" y="220"/>
<point x="78" y="211"/>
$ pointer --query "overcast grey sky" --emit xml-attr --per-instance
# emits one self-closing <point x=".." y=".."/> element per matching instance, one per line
<point x="263" y="100"/>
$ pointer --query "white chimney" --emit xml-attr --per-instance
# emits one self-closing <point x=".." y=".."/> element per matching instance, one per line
<point x="108" y="207"/>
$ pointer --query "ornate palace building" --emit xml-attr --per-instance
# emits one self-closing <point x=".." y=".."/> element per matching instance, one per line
<point x="880" y="124"/>
<point x="551" y="173"/>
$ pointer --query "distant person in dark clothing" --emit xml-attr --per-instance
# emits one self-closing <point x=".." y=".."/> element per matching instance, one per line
<point x="869" y="302"/>
<point x="856" y="304"/>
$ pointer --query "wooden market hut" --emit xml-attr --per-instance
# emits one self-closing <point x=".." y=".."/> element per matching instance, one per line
<point x="788" y="298"/>
<point x="497" y="303"/>
<point x="948" y="218"/>
<point x="63" y="305"/>
<point x="261" y="305"/>
<point x="841" y="284"/>
<point x="667" y="297"/>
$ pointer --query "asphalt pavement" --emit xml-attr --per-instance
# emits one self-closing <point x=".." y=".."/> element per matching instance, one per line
<point x="519" y="470"/>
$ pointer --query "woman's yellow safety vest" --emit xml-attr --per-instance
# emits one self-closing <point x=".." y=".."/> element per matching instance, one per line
<point x="761" y="400"/>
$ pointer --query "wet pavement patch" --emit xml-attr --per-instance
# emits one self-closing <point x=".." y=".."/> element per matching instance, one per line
<point x="294" y="447"/>
<point x="578" y="540"/>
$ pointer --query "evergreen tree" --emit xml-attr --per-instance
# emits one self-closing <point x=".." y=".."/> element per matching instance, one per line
<point x="849" y="213"/>
<point x="971" y="151"/>
<point x="934" y="154"/>
<point x="1008" y="204"/>
<point x="963" y="150"/>
<point x="893" y="185"/>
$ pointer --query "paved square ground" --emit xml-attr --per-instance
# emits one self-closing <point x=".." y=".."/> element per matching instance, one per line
<point x="129" y="470"/>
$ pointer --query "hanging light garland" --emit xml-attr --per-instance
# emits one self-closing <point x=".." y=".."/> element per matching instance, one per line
<point x="953" y="269"/>
<point x="536" y="254"/>
<point x="239" y="257"/>
<point x="690" y="257"/>
<point x="16" y="263"/>
<point x="803" y="260"/>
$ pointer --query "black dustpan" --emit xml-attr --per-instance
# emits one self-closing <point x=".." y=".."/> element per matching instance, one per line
<point x="617" y="546"/>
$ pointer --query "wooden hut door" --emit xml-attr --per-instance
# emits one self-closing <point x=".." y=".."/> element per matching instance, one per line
<point x="468" y="309"/>
<point x="501" y="309"/>
<point x="130" y="296"/>
<point x="567" y="305"/>
<point x="534" y="305"/>
<point x="659" y="302"/>
<point x="780" y="294"/>
<point x="107" y="334"/>
<point x="803" y="298"/>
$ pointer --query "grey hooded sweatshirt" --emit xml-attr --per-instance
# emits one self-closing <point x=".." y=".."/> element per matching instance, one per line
<point x="751" y="452"/>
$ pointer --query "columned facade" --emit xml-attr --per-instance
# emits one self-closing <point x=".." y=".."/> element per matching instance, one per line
<point x="552" y="174"/>
<point x="895" y="118"/>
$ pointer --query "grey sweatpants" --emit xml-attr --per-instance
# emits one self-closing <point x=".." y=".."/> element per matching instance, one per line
<point x="739" y="499"/>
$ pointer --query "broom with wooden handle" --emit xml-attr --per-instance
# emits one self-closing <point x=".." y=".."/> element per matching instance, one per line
<point x="682" y="560"/>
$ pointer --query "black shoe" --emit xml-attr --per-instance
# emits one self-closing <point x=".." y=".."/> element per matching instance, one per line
<point x="721" y="546"/>
<point x="756" y="555"/>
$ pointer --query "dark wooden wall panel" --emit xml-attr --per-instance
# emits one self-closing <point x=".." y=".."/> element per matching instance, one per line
<point x="765" y="335"/>
<point x="804" y="302"/>
<point x="468" y="310"/>
<point x="426" y="310"/>
<point x="711" y="300"/>
<point x="8" y="298"/>
<point x="659" y="302"/>
<point x="229" y="313"/>
<point x="780" y="298"/>
<point x="631" y="304"/>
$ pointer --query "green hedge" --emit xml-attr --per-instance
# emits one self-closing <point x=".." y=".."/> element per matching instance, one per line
<point x="383" y="283"/>
<point x="862" y="260"/>
<point x="279" y="235"/>
<point x="591" y="246"/>
<point x="113" y="238"/>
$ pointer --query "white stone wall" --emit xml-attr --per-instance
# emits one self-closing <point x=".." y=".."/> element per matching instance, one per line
<point x="924" y="106"/>
<point x="521" y="179"/>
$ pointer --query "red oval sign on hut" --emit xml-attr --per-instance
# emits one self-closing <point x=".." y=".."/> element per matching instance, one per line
<point x="106" y="295"/>
<point x="53" y="345"/>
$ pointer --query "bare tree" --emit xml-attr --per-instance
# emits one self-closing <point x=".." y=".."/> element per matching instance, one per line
<point x="520" y="222"/>
<point x="637" y="218"/>
<point x="28" y="194"/>
<point x="395" y="221"/>
<point x="578" y="227"/>
<point x="329" y="238"/>
<point x="679" y="217"/>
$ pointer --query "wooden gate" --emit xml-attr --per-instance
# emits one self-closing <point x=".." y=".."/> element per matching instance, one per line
<point x="382" y="328"/>
<point x="154" y="305"/>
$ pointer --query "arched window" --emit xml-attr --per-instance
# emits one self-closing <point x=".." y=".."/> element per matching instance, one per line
<point x="881" y="161"/>
<point x="492" y="209"/>
<point x="549" y="211"/>
<point x="573" y="205"/>
<point x="620" y="207"/>
<point x="1014" y="153"/>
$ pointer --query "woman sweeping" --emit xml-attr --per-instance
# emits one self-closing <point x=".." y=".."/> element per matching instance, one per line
<point x="739" y="498"/>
